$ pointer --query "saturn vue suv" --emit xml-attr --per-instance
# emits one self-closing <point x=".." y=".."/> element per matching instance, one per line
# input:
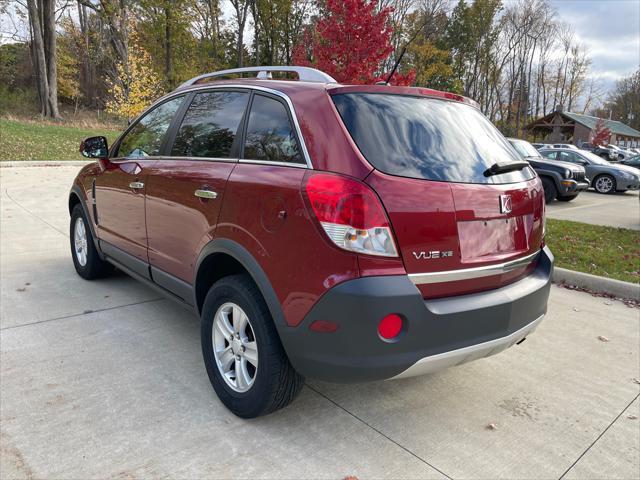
<point x="338" y="232"/>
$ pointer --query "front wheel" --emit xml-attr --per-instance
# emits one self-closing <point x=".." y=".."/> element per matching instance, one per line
<point x="550" y="191"/>
<point x="246" y="363"/>
<point x="604" y="184"/>
<point x="85" y="256"/>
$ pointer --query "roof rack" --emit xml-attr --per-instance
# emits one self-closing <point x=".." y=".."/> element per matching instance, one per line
<point x="305" y="74"/>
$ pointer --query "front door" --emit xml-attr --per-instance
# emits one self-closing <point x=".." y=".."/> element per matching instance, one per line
<point x="185" y="189"/>
<point x="121" y="187"/>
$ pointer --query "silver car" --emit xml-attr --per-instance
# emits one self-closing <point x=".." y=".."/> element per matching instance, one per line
<point x="605" y="177"/>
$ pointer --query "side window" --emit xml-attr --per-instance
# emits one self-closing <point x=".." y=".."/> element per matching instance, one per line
<point x="567" y="157"/>
<point x="270" y="134"/>
<point x="145" y="138"/>
<point x="210" y="124"/>
<point x="550" y="154"/>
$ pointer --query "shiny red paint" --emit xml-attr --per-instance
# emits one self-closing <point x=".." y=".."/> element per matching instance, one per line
<point x="265" y="213"/>
<point x="121" y="213"/>
<point x="180" y="224"/>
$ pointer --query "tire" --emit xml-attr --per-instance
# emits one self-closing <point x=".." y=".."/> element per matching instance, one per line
<point x="550" y="191"/>
<point x="604" y="184"/>
<point x="566" y="198"/>
<point x="85" y="256"/>
<point x="269" y="385"/>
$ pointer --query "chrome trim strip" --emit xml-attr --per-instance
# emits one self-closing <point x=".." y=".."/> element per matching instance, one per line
<point x="268" y="162"/>
<point x="453" y="358"/>
<point x="211" y="86"/>
<point x="468" y="273"/>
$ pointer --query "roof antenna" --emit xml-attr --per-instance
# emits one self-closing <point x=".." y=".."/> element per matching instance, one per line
<point x="404" y="50"/>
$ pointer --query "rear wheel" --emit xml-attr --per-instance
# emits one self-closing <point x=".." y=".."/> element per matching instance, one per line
<point x="604" y="184"/>
<point x="566" y="198"/>
<point x="243" y="355"/>
<point x="550" y="191"/>
<point x="85" y="256"/>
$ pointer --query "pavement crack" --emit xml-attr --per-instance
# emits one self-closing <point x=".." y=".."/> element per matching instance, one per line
<point x="6" y="191"/>
<point x="87" y="312"/>
<point x="378" y="431"/>
<point x="599" y="436"/>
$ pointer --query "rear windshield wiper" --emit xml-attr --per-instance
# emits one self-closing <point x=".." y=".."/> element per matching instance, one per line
<point x="504" y="167"/>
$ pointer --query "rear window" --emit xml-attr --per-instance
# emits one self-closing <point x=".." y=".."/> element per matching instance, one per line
<point x="427" y="138"/>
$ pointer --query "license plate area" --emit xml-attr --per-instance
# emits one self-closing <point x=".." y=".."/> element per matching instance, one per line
<point x="485" y="240"/>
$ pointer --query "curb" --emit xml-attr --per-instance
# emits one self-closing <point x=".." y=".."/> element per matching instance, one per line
<point x="44" y="163"/>
<point x="609" y="286"/>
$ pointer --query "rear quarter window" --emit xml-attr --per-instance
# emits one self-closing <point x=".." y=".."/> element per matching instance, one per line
<point x="427" y="138"/>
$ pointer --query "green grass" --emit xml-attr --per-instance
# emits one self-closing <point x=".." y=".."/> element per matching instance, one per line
<point x="603" y="251"/>
<point x="44" y="141"/>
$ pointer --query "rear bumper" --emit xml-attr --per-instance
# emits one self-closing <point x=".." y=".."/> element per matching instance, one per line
<point x="438" y="333"/>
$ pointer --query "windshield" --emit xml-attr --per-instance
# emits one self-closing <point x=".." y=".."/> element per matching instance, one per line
<point x="427" y="138"/>
<point x="593" y="158"/>
<point x="525" y="149"/>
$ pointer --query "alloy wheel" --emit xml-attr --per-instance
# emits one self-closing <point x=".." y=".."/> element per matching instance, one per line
<point x="234" y="347"/>
<point x="80" y="241"/>
<point x="604" y="184"/>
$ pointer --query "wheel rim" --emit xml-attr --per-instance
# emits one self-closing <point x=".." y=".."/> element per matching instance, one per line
<point x="604" y="184"/>
<point x="234" y="347"/>
<point x="80" y="241"/>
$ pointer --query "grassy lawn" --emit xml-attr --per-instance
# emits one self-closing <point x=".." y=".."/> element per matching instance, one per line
<point x="604" y="251"/>
<point x="41" y="141"/>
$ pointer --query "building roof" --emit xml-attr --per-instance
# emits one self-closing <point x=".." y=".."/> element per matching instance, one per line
<point x="616" y="127"/>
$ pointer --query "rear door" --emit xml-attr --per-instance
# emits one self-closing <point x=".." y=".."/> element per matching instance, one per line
<point x="120" y="188"/>
<point x="186" y="187"/>
<point x="449" y="215"/>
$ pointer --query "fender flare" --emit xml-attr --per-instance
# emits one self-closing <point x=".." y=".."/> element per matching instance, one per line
<point x="555" y="177"/>
<point x="77" y="191"/>
<point x="251" y="265"/>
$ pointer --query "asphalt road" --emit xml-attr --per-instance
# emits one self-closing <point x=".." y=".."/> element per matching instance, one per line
<point x="105" y="379"/>
<point x="616" y="210"/>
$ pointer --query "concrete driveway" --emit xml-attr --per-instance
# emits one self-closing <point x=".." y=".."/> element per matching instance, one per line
<point x="616" y="210"/>
<point x="105" y="379"/>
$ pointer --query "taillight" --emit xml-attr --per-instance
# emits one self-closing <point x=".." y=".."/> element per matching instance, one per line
<point x="350" y="214"/>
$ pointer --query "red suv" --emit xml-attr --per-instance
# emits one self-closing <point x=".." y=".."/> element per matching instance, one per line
<point x="344" y="233"/>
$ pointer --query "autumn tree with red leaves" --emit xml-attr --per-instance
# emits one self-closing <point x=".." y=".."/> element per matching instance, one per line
<point x="600" y="134"/>
<point x="350" y="43"/>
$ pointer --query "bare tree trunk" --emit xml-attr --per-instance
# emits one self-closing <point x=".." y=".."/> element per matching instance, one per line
<point x="43" y="38"/>
<point x="168" y="45"/>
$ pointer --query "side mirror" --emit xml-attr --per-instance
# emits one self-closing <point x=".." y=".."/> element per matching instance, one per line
<point x="94" y="147"/>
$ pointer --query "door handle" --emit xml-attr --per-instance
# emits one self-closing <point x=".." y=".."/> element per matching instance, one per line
<point x="136" y="185"/>
<point x="206" y="194"/>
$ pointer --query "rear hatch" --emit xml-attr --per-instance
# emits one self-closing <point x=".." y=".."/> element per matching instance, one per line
<point x="459" y="229"/>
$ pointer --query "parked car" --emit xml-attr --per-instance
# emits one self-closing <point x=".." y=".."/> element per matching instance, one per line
<point x="561" y="180"/>
<point x="600" y="151"/>
<point x="605" y="177"/>
<point x="632" y="162"/>
<point x="539" y="145"/>
<point x="340" y="232"/>
<point x="621" y="154"/>
<point x="565" y="145"/>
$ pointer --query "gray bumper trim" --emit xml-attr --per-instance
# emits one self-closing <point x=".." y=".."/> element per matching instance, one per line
<point x="444" y="360"/>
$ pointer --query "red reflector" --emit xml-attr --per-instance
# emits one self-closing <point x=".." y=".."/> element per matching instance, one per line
<point x="390" y="326"/>
<point x="323" y="326"/>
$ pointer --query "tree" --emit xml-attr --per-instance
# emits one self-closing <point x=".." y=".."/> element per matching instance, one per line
<point x="350" y="42"/>
<point x="600" y="134"/>
<point x="137" y="85"/>
<point x="242" y="10"/>
<point x="43" y="47"/>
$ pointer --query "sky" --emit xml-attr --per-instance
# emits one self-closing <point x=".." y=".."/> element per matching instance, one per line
<point x="610" y="29"/>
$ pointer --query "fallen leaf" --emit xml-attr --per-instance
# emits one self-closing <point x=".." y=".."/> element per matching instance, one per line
<point x="87" y="311"/>
<point x="635" y="380"/>
<point x="607" y="303"/>
<point x="632" y="417"/>
<point x="27" y="284"/>
<point x="20" y="289"/>
<point x="576" y="309"/>
<point x="491" y="426"/>
<point x="603" y="338"/>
